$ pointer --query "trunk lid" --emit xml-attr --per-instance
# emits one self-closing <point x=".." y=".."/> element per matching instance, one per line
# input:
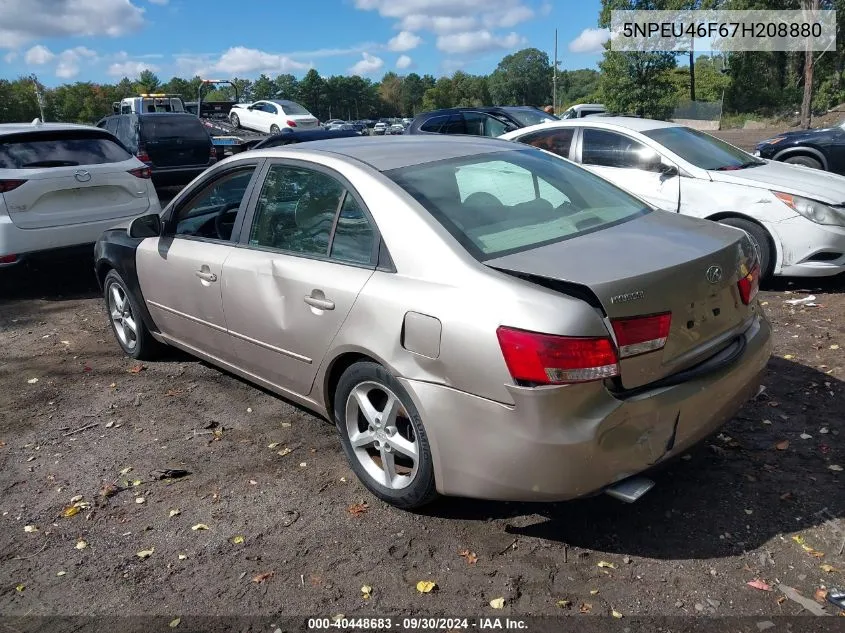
<point x="175" y="140"/>
<point x="303" y="121"/>
<point x="653" y="264"/>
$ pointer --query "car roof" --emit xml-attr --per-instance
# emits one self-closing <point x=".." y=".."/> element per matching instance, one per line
<point x="385" y="154"/>
<point x="586" y="105"/>
<point x="634" y="124"/>
<point x="18" y="128"/>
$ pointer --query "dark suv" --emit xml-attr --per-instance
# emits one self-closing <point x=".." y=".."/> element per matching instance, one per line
<point x="485" y="121"/>
<point x="177" y="147"/>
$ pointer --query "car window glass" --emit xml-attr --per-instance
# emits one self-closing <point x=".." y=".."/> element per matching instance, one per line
<point x="269" y="108"/>
<point x="124" y="131"/>
<point x="508" y="183"/>
<point x="434" y="124"/>
<point x="557" y="141"/>
<point x="212" y="212"/>
<point x="455" y="125"/>
<point x="610" y="149"/>
<point x="60" y="149"/>
<point x="296" y="210"/>
<point x="353" y="236"/>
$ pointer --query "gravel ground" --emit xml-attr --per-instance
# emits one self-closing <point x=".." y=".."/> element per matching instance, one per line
<point x="254" y="530"/>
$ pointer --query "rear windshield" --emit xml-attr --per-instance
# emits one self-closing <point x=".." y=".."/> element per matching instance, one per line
<point x="34" y="151"/>
<point x="529" y="116"/>
<point x="504" y="202"/>
<point x="292" y="108"/>
<point x="170" y="127"/>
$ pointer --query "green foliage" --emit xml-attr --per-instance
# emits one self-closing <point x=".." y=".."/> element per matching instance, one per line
<point x="147" y="81"/>
<point x="638" y="83"/>
<point x="523" y="78"/>
<point x="577" y="86"/>
<point x="710" y="81"/>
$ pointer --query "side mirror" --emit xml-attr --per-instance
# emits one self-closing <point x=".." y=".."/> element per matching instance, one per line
<point x="668" y="170"/>
<point x="250" y="108"/>
<point x="145" y="226"/>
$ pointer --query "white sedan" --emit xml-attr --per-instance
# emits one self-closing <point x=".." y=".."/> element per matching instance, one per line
<point x="272" y="116"/>
<point x="62" y="185"/>
<point x="795" y="215"/>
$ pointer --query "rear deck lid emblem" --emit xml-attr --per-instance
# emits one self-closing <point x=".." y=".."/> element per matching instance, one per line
<point x="82" y="175"/>
<point x="714" y="274"/>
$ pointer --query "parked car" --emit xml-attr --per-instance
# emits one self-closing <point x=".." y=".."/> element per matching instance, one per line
<point x="492" y="121"/>
<point x="289" y="137"/>
<point x="331" y="122"/>
<point x="819" y="149"/>
<point x="62" y="185"/>
<point x="581" y="110"/>
<point x="379" y="129"/>
<point x="794" y="215"/>
<point x="272" y="116"/>
<point x="396" y="128"/>
<point x="477" y="317"/>
<point x="176" y="147"/>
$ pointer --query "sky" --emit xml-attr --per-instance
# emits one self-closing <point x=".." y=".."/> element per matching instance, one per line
<point x="104" y="40"/>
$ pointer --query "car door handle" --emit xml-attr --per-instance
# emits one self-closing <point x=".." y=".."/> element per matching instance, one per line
<point x="205" y="275"/>
<point x="316" y="302"/>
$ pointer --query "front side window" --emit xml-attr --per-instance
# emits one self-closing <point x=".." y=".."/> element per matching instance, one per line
<point x="530" y="116"/>
<point x="515" y="200"/>
<point x="211" y="213"/>
<point x="702" y="150"/>
<point x="609" y="149"/>
<point x="557" y="141"/>
<point x="482" y="124"/>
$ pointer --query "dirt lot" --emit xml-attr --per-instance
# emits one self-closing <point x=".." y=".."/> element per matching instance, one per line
<point x="761" y="501"/>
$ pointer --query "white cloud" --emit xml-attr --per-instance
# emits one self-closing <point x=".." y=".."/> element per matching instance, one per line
<point x="589" y="41"/>
<point x="439" y="24"/>
<point x="405" y="41"/>
<point x="449" y="16"/>
<point x="130" y="69"/>
<point x="508" y="18"/>
<point x="477" y="42"/>
<point x="367" y="65"/>
<point x="404" y="62"/>
<point x="159" y="2"/>
<point x="38" y="55"/>
<point x="240" y="60"/>
<point x="70" y="60"/>
<point x="10" y="57"/>
<point x="23" y="22"/>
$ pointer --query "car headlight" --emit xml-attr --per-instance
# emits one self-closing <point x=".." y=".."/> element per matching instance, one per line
<point x="772" y="141"/>
<point x="814" y="211"/>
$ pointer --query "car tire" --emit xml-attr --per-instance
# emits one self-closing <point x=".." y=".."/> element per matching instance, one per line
<point x="126" y="322"/>
<point x="402" y="434"/>
<point x="806" y="161"/>
<point x="235" y="120"/>
<point x="760" y="239"/>
<point x="274" y="129"/>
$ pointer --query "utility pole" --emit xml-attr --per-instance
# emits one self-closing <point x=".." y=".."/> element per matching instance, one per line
<point x="38" y="94"/>
<point x="812" y="7"/>
<point x="554" y="78"/>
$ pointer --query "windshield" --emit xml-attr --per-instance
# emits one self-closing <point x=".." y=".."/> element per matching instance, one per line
<point x="529" y="116"/>
<point x="702" y="150"/>
<point x="505" y="202"/>
<point x="292" y="108"/>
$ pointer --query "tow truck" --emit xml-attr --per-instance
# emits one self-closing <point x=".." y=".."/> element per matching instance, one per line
<point x="214" y="115"/>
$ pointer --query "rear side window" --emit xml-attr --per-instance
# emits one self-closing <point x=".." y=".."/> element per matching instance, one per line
<point x="557" y="141"/>
<point x="160" y="128"/>
<point x="33" y="151"/>
<point x="434" y="124"/>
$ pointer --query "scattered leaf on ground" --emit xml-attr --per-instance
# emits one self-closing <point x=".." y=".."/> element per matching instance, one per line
<point x="357" y="509"/>
<point x="834" y="346"/>
<point x="145" y="553"/>
<point x="585" y="607"/>
<point x="137" y="369"/>
<point x="20" y="587"/>
<point x="820" y="595"/>
<point x="199" y="526"/>
<point x="126" y="470"/>
<point x="604" y="563"/>
<point x="806" y="436"/>
<point x="174" y="623"/>
<point x="471" y="557"/>
<point x="140" y="499"/>
<point x="285" y="451"/>
<point x="183" y="556"/>
<point x="563" y="604"/>
<point x="798" y="539"/>
<point x="81" y="545"/>
<point x="70" y="511"/>
<point x="789" y="356"/>
<point x="366" y="592"/>
<point x="175" y="512"/>
<point x="594" y="592"/>
<point x="835" y="468"/>
<point x="615" y="613"/>
<point x="827" y="568"/>
<point x="30" y="528"/>
<point x="32" y="381"/>
<point x="758" y="584"/>
<point x="782" y="445"/>
<point x="273" y="445"/>
<point x="267" y="575"/>
<point x="426" y="586"/>
<point x="238" y="539"/>
<point x="497" y="603"/>
<point x="60" y="573"/>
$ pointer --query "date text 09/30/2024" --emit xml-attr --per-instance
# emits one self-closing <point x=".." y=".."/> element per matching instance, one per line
<point x="417" y="624"/>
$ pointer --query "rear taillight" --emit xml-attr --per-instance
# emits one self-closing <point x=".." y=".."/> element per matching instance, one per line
<point x="212" y="154"/>
<point x="749" y="284"/>
<point x="8" y="185"/>
<point x="142" y="155"/>
<point x="548" y="359"/>
<point x="291" y="123"/>
<point x="142" y="172"/>
<point x="643" y="334"/>
<point x="8" y="259"/>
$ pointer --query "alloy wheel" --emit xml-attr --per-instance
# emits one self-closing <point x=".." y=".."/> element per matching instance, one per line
<point x="122" y="318"/>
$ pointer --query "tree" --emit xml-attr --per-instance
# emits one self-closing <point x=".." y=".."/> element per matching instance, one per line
<point x="287" y="87"/>
<point x="390" y="91"/>
<point x="806" y="102"/>
<point x="577" y="86"/>
<point x="522" y="78"/>
<point x="312" y="93"/>
<point x="263" y="88"/>
<point x="438" y="96"/>
<point x="147" y="81"/>
<point x="413" y="90"/>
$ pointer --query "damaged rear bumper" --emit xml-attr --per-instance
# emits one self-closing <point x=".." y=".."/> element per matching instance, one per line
<point x="562" y="442"/>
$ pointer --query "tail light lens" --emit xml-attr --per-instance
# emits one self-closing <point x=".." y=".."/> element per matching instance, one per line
<point x="142" y="172"/>
<point x="8" y="185"/>
<point x="291" y="123"/>
<point x="142" y="155"/>
<point x="640" y="335"/>
<point x="548" y="359"/>
<point x="749" y="285"/>
<point x="212" y="154"/>
<point x="8" y="259"/>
